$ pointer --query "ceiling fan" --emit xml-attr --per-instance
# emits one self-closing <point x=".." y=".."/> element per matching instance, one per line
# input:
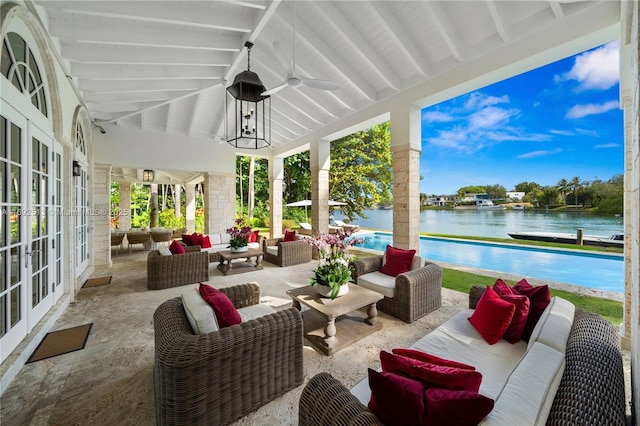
<point x="292" y="79"/>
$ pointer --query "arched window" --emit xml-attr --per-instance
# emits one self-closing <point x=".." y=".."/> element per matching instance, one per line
<point x="20" y="68"/>
<point x="80" y="144"/>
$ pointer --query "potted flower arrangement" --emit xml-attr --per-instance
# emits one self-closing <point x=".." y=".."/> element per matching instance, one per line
<point x="333" y="270"/>
<point x="240" y="233"/>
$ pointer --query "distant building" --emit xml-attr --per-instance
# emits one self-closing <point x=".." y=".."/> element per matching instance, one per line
<point x="516" y="195"/>
<point x="440" y="201"/>
<point x="474" y="197"/>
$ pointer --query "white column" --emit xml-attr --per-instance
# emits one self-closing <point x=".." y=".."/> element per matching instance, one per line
<point x="320" y="159"/>
<point x="101" y="216"/>
<point x="177" y="200"/>
<point x="190" y="207"/>
<point x="219" y="202"/>
<point x="276" y="177"/>
<point x="405" y="150"/>
<point x="124" y="223"/>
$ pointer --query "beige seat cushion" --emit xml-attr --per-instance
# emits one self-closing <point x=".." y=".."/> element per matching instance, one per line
<point x="378" y="282"/>
<point x="199" y="313"/>
<point x="272" y="250"/>
<point x="255" y="311"/>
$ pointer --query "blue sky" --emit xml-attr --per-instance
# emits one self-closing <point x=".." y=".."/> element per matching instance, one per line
<point x="558" y="121"/>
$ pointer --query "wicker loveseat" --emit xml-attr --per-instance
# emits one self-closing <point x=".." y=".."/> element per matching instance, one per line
<point x="177" y="269"/>
<point x="217" y="378"/>
<point x="591" y="389"/>
<point x="287" y="253"/>
<point x="415" y="294"/>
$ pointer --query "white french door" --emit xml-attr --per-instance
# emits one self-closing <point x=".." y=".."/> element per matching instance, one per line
<point x="27" y="227"/>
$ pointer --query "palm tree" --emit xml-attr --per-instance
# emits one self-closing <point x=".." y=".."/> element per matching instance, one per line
<point x="575" y="186"/>
<point x="563" y="186"/>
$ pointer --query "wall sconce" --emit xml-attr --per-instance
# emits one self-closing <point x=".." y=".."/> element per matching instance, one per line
<point x="77" y="170"/>
<point x="147" y="175"/>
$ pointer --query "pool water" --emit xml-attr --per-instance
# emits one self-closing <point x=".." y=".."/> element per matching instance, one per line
<point x="598" y="271"/>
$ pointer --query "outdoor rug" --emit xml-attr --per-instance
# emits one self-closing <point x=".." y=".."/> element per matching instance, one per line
<point x="94" y="282"/>
<point x="61" y="342"/>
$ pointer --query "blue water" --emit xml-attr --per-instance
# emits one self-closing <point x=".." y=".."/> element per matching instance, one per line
<point x="598" y="271"/>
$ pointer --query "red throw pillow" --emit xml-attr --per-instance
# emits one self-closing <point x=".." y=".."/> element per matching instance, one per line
<point x="205" y="242"/>
<point x="451" y="407"/>
<point x="253" y="237"/>
<point x="431" y="374"/>
<point x="520" y="315"/>
<point x="176" y="248"/>
<point x="396" y="400"/>
<point x="426" y="357"/>
<point x="492" y="316"/>
<point x="186" y="239"/>
<point x="289" y="236"/>
<point x="397" y="261"/>
<point x="226" y="313"/>
<point x="539" y="298"/>
<point x="196" y="239"/>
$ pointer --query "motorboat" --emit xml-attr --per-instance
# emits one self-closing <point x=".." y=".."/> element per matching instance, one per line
<point x="615" y="240"/>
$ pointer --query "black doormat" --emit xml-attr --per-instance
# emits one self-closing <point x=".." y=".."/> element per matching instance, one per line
<point x="61" y="342"/>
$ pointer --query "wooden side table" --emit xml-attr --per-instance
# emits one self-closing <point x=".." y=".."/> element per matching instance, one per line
<point x="228" y="268"/>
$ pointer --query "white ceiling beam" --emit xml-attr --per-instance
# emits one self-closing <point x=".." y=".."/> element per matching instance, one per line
<point x="498" y="21"/>
<point x="116" y="108"/>
<point x="556" y="7"/>
<point x="141" y="72"/>
<point x="144" y="56"/>
<point x="290" y="117"/>
<point x="127" y="97"/>
<point x="194" y="114"/>
<point x="128" y="35"/>
<point x="386" y="20"/>
<point x="336" y="21"/>
<point x="136" y="86"/>
<point x="169" y="122"/>
<point x="445" y="27"/>
<point x="298" y="109"/>
<point x="144" y="121"/>
<point x="245" y="4"/>
<point x="169" y="13"/>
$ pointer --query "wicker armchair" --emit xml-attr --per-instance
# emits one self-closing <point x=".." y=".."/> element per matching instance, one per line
<point x="138" y="238"/>
<point x="177" y="270"/>
<point x="161" y="236"/>
<point x="289" y="253"/>
<point x="217" y="378"/>
<point x="116" y="241"/>
<point x="416" y="292"/>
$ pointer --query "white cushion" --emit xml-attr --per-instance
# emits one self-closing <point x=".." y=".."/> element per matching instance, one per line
<point x="253" y="245"/>
<point x="273" y="250"/>
<point x="199" y="313"/>
<point x="305" y="225"/>
<point x="554" y="325"/>
<point x="255" y="311"/>
<point x="215" y="239"/>
<point x="164" y="251"/>
<point x="225" y="238"/>
<point x="416" y="263"/>
<point x="528" y="394"/>
<point x="378" y="282"/>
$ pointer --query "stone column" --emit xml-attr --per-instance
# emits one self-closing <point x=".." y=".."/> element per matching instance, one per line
<point x="320" y="159"/>
<point x="219" y="202"/>
<point x="125" y="207"/>
<point x="176" y="200"/>
<point x="405" y="150"/>
<point x="190" y="207"/>
<point x="276" y="176"/>
<point x="153" y="206"/>
<point x="100" y="217"/>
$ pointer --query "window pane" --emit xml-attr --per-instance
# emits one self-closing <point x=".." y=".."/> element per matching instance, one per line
<point x="4" y="216"/>
<point x="34" y="68"/>
<point x="18" y="47"/>
<point x="34" y="289"/>
<point x="16" y="153"/>
<point x="35" y="154"/>
<point x="5" y="61"/>
<point x="35" y="188"/>
<point x="44" y="221"/>
<point x="45" y="283"/>
<point x="15" y="306"/>
<point x="3" y="175"/>
<point x="3" y="138"/>
<point x="3" y="271"/>
<point x="15" y="184"/>
<point x="16" y="223"/>
<point x="45" y="158"/>
<point x="3" y="315"/>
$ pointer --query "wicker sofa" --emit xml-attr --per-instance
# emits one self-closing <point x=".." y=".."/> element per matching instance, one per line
<point x="287" y="253"/>
<point x="415" y="293"/>
<point x="178" y="269"/>
<point x="591" y="389"/>
<point x="217" y="378"/>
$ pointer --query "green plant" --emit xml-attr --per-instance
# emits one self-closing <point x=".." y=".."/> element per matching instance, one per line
<point x="240" y="233"/>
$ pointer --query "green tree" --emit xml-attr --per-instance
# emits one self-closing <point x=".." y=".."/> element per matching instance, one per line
<point x="496" y="192"/>
<point x="563" y="187"/>
<point x="361" y="171"/>
<point x="548" y="196"/>
<point x="575" y="185"/>
<point x="471" y="190"/>
<point x="526" y="187"/>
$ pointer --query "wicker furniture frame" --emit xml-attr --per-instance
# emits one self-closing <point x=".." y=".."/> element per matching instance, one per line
<point x="591" y="392"/>
<point x="116" y="240"/>
<point x="417" y="292"/>
<point x="217" y="378"/>
<point x="177" y="270"/>
<point x="289" y="253"/>
<point x="138" y="238"/>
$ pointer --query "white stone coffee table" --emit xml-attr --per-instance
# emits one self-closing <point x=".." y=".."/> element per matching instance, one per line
<point x="330" y="325"/>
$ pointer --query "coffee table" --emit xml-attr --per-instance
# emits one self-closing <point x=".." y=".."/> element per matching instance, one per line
<point x="227" y="267"/>
<point x="330" y="325"/>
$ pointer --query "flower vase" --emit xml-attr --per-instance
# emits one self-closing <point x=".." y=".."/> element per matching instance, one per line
<point x="239" y="249"/>
<point x="325" y="290"/>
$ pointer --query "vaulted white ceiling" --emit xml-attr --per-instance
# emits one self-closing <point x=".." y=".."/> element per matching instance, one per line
<point x="162" y="66"/>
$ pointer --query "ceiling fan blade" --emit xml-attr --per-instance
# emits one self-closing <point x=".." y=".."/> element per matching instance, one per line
<point x="320" y="84"/>
<point x="282" y="57"/>
<point x="275" y="89"/>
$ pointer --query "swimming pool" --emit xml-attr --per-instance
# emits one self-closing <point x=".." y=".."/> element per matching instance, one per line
<point x="598" y="271"/>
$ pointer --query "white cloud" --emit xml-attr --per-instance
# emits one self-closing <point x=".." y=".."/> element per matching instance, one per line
<point x="479" y="100"/>
<point x="597" y="69"/>
<point x="607" y="145"/>
<point x="562" y="132"/>
<point x="583" y="110"/>
<point x="540" y="153"/>
<point x="437" y="117"/>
